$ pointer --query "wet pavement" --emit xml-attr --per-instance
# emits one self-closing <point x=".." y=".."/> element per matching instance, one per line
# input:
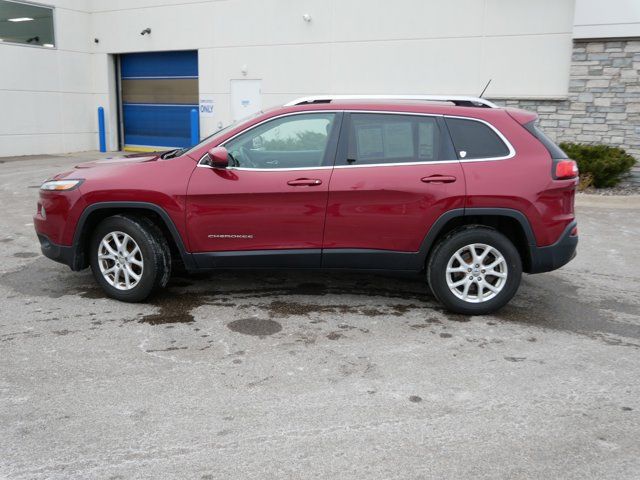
<point x="267" y="374"/>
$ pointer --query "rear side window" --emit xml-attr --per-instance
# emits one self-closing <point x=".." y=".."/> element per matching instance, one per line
<point x="554" y="150"/>
<point x="473" y="139"/>
<point x="390" y="138"/>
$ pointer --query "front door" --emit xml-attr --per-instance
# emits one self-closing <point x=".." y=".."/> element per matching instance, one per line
<point x="394" y="176"/>
<point x="268" y="208"/>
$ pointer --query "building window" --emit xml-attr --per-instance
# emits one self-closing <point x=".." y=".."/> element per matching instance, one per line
<point x="26" y="24"/>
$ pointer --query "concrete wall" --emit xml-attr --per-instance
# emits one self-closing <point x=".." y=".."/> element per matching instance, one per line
<point x="47" y="96"/>
<point x="603" y="104"/>
<point x="604" y="97"/>
<point x="355" y="46"/>
<point x="606" y="19"/>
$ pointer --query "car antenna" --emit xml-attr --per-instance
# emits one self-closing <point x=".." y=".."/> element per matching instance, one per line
<point x="485" y="87"/>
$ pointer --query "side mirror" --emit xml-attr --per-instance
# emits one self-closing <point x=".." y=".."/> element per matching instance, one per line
<point x="218" y="157"/>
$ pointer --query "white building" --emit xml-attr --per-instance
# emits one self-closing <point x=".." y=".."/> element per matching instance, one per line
<point x="253" y="54"/>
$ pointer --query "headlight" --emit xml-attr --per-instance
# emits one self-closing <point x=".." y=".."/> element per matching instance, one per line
<point x="60" y="185"/>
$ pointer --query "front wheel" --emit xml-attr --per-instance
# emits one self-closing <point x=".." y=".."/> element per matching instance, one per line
<point x="130" y="257"/>
<point x="474" y="271"/>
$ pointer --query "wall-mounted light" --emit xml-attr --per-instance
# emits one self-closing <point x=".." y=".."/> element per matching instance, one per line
<point x="20" y="19"/>
<point x="146" y="31"/>
<point x="306" y="17"/>
<point x="244" y="70"/>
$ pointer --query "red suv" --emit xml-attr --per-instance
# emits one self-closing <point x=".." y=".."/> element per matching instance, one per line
<point x="455" y="187"/>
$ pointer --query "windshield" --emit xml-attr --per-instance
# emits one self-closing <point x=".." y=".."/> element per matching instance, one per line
<point x="222" y="131"/>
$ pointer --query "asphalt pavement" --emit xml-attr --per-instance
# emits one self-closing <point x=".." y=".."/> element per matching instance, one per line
<point x="267" y="374"/>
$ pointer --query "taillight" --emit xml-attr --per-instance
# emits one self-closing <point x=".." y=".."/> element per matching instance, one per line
<point x="566" y="169"/>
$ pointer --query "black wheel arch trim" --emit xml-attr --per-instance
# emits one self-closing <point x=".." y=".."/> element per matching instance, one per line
<point x="542" y="258"/>
<point x="78" y="262"/>
<point x="443" y="219"/>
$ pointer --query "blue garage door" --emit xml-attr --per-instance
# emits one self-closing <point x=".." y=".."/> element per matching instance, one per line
<point x="159" y="89"/>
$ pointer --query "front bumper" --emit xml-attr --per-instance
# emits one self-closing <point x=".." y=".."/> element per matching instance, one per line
<point x="58" y="253"/>
<point x="552" y="257"/>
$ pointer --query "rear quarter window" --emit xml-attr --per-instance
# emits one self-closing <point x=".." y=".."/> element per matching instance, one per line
<point x="554" y="150"/>
<point x="473" y="139"/>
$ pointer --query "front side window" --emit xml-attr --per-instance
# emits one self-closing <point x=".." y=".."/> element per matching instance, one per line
<point x="26" y="24"/>
<point x="295" y="141"/>
<point x="473" y="139"/>
<point x="388" y="138"/>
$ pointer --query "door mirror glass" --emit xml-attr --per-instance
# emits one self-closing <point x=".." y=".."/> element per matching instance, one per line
<point x="218" y="157"/>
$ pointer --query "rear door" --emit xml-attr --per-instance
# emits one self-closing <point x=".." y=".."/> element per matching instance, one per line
<point x="395" y="174"/>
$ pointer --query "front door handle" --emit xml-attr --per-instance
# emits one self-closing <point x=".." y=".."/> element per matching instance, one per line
<point x="438" y="179"/>
<point x="305" y="182"/>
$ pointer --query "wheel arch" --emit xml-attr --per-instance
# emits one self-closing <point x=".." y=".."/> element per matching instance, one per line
<point x="512" y="223"/>
<point x="95" y="213"/>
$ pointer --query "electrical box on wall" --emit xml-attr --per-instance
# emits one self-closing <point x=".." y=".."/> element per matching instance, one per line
<point x="246" y="98"/>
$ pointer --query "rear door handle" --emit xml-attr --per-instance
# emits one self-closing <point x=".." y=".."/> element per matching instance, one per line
<point x="438" y="179"/>
<point x="305" y="182"/>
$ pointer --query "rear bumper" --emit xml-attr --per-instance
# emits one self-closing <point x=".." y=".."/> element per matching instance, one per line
<point x="552" y="257"/>
<point x="58" y="253"/>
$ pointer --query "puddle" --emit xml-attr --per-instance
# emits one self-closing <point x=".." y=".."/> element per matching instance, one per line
<point x="545" y="301"/>
<point x="25" y="254"/>
<point x="254" y="326"/>
<point x="169" y="349"/>
<point x="93" y="293"/>
<point x="174" y="308"/>
<point x="46" y="278"/>
<point x="282" y="308"/>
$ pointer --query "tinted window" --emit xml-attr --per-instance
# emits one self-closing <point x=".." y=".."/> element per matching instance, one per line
<point x="473" y="139"/>
<point x="554" y="150"/>
<point x="296" y="141"/>
<point x="388" y="138"/>
<point x="27" y="24"/>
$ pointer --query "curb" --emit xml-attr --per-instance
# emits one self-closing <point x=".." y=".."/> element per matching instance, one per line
<point x="629" y="202"/>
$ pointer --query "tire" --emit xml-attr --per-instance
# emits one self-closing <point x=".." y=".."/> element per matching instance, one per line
<point x="502" y="276"/>
<point x="152" y="259"/>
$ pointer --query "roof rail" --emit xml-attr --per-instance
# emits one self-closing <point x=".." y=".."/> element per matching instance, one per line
<point x="458" y="100"/>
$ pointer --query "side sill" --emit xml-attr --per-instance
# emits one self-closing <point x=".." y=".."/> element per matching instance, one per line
<point x="364" y="259"/>
<point x="304" y="258"/>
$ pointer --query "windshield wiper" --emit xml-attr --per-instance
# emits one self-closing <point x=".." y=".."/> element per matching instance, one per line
<point x="173" y="153"/>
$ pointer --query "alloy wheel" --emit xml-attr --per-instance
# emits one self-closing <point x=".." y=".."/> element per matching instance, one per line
<point x="476" y="273"/>
<point x="120" y="260"/>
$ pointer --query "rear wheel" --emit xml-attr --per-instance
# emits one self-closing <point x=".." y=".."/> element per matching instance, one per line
<point x="130" y="257"/>
<point x="474" y="271"/>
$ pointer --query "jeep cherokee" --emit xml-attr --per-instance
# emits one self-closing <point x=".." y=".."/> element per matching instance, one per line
<point x="468" y="193"/>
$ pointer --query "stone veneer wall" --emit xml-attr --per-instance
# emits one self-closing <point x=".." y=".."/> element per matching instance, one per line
<point x="603" y="104"/>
